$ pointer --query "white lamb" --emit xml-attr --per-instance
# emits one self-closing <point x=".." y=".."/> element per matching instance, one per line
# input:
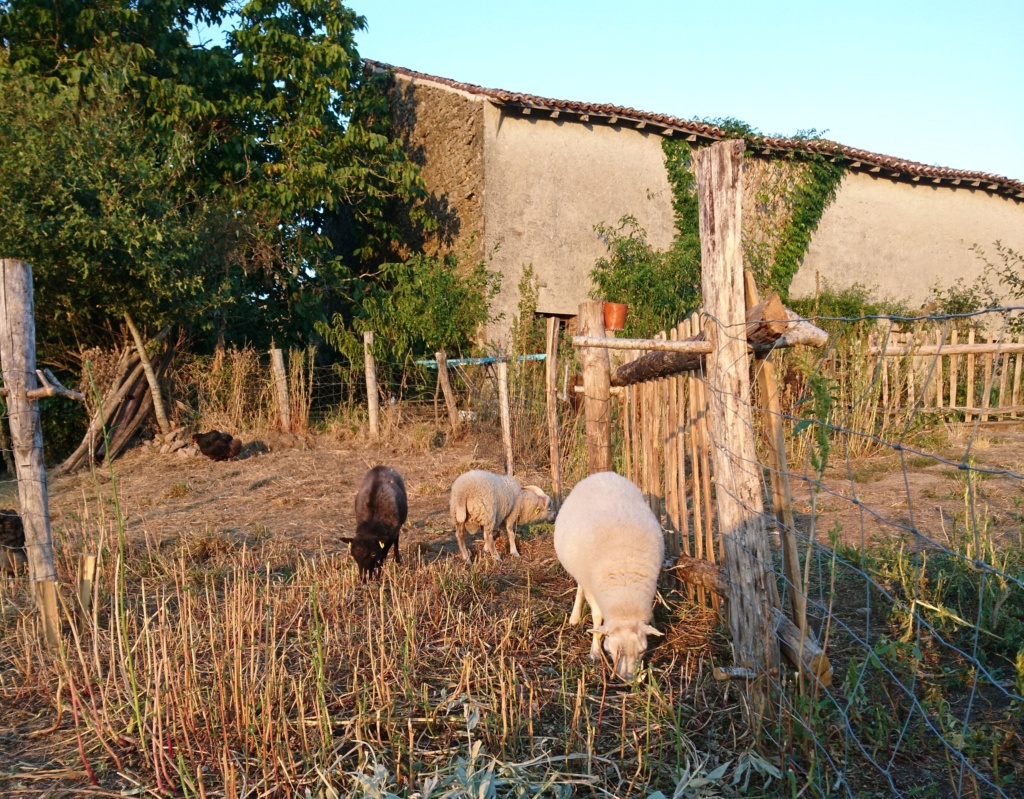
<point x="608" y="539"/>
<point x="482" y="500"/>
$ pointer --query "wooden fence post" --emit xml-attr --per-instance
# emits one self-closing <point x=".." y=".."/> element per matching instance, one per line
<point x="501" y="368"/>
<point x="284" y="408"/>
<point x="781" y="497"/>
<point x="736" y="471"/>
<point x="551" y="375"/>
<point x="18" y="363"/>
<point x="597" y="407"/>
<point x="446" y="388"/>
<point x="372" y="397"/>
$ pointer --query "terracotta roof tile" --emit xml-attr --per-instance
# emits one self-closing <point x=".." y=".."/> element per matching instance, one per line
<point x="884" y="165"/>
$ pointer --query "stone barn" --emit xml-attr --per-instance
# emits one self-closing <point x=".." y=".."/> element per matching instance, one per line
<point x="522" y="180"/>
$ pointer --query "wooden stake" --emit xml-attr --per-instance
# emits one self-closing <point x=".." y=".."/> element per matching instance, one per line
<point x="554" y="325"/>
<point x="501" y="367"/>
<point x="284" y="407"/>
<point x="970" y="376"/>
<point x="738" y="484"/>
<point x="596" y="389"/>
<point x="782" y="500"/>
<point x="446" y="389"/>
<point x="372" y="396"/>
<point x="18" y="363"/>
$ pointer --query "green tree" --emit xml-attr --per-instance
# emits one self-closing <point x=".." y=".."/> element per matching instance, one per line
<point x="232" y="159"/>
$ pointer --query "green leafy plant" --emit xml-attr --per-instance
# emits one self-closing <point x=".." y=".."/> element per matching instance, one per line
<point x="660" y="287"/>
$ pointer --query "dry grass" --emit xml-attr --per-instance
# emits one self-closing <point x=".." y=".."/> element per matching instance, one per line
<point x="231" y="665"/>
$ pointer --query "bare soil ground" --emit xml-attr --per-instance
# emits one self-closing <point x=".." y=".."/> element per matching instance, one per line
<point x="285" y="487"/>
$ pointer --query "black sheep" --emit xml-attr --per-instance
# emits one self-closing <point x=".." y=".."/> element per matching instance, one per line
<point x="381" y="509"/>
<point x="12" y="541"/>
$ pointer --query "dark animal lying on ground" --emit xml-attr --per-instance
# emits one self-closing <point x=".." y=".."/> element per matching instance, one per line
<point x="12" y="541"/>
<point x="381" y="509"/>
<point x="216" y="445"/>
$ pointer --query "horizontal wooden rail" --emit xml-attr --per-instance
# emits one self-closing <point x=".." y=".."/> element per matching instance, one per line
<point x="994" y="348"/>
<point x="700" y="347"/>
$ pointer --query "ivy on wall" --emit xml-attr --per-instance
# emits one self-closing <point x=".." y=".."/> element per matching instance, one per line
<point x="811" y="196"/>
<point x="809" y="188"/>
<point x="787" y="197"/>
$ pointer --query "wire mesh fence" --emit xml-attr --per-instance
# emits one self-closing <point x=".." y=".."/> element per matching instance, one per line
<point x="908" y="514"/>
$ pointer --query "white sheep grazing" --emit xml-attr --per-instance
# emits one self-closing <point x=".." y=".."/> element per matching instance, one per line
<point x="482" y="500"/>
<point x="608" y="539"/>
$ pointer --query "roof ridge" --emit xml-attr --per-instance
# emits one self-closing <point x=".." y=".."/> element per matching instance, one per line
<point x="695" y="130"/>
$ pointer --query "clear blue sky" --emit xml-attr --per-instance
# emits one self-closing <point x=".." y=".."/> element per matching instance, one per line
<point x="936" y="81"/>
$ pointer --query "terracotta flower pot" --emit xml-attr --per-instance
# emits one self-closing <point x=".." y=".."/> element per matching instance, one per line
<point x="615" y="315"/>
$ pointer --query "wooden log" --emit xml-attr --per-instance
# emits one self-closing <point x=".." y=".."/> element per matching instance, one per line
<point x="782" y="501"/>
<point x="18" y="365"/>
<point x="284" y="406"/>
<point x="147" y="368"/>
<point x="553" y="332"/>
<point x="738" y="484"/>
<point x="109" y="407"/>
<point x="596" y="385"/>
<point x="970" y="372"/>
<point x="501" y="368"/>
<point x="446" y="389"/>
<point x="372" y="395"/>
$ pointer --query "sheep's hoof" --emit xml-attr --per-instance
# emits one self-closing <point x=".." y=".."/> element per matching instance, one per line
<point x="575" y="618"/>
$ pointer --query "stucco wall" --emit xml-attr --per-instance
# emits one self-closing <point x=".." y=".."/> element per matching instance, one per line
<point x="903" y="238"/>
<point x="443" y="131"/>
<point x="548" y="184"/>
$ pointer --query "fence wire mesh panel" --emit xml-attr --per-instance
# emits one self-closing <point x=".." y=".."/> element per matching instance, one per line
<point x="908" y="514"/>
<point x="903" y="472"/>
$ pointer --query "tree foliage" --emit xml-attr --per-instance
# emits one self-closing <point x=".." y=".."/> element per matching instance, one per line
<point x="193" y="183"/>
<point x="416" y="307"/>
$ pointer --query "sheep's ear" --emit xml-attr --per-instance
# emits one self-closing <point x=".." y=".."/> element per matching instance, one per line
<point x="602" y="630"/>
<point x="347" y="538"/>
<point x="651" y="631"/>
<point x="537" y="490"/>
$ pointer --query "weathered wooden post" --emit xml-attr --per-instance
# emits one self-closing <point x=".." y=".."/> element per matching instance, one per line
<point x="18" y="363"/>
<point x="372" y="397"/>
<point x="597" y="406"/>
<point x="551" y="375"/>
<point x="501" y="368"/>
<point x="736" y="472"/>
<point x="284" y="407"/>
<point x="446" y="389"/>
